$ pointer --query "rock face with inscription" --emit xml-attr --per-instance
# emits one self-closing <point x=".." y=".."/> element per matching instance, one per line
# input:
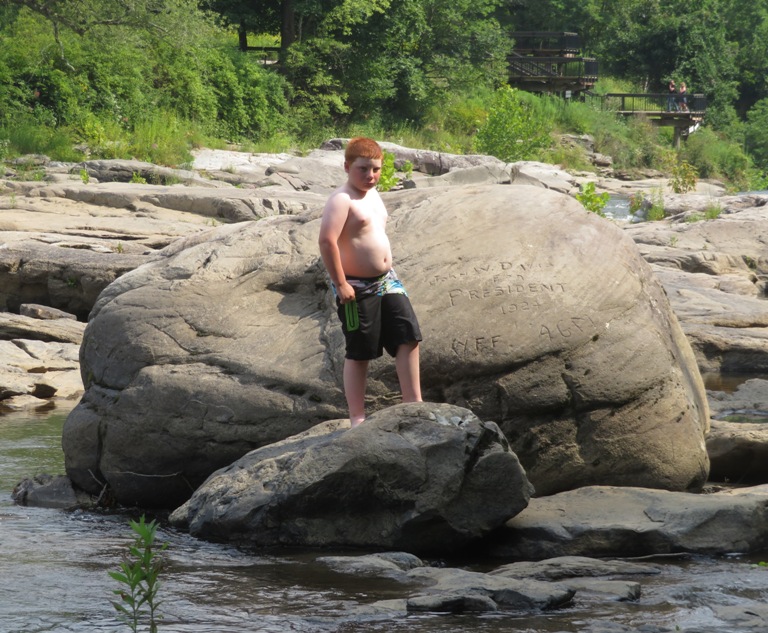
<point x="536" y="314"/>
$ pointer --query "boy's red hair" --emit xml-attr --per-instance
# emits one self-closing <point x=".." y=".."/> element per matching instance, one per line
<point x="364" y="147"/>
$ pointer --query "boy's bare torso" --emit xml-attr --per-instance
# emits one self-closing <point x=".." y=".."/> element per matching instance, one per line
<point x="363" y="244"/>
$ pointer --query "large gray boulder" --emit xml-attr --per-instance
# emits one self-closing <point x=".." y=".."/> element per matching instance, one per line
<point x="536" y="314"/>
<point x="417" y="477"/>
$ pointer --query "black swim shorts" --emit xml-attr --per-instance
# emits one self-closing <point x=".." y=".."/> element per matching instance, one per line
<point x="381" y="322"/>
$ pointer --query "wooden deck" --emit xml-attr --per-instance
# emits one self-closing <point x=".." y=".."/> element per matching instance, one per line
<point x="550" y="62"/>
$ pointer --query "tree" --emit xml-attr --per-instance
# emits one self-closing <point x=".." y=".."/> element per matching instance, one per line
<point x="394" y="56"/>
<point x="756" y="134"/>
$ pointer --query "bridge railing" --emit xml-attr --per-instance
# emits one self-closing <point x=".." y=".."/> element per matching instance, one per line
<point x="652" y="102"/>
<point x="526" y="66"/>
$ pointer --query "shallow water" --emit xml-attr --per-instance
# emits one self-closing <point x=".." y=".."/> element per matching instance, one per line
<point x="54" y="577"/>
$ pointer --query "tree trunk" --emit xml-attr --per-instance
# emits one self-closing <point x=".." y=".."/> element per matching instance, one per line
<point x="242" y="35"/>
<point x="288" y="26"/>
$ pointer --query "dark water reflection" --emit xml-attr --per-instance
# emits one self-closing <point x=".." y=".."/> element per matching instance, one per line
<point x="54" y="564"/>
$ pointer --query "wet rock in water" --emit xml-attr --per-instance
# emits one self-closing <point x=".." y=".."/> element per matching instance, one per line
<point x="47" y="491"/>
<point x="380" y="564"/>
<point x="562" y="567"/>
<point x="457" y="591"/>
<point x="419" y="477"/>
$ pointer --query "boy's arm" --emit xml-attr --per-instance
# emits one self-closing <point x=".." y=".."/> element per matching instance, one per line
<point x="334" y="218"/>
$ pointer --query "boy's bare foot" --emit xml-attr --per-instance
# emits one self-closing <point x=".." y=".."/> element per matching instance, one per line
<point x="356" y="421"/>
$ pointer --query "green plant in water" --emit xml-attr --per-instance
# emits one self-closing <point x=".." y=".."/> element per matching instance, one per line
<point x="84" y="176"/>
<point x="592" y="201"/>
<point x="684" y="177"/>
<point x="138" y="578"/>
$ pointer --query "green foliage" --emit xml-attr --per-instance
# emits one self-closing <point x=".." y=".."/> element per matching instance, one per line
<point x="138" y="578"/>
<point x="515" y="129"/>
<point x="713" y="212"/>
<point x="388" y="176"/>
<point x="152" y="79"/>
<point x="85" y="176"/>
<point x="656" y="211"/>
<point x="636" y="202"/>
<point x="684" y="177"/>
<point x="756" y="133"/>
<point x="715" y="157"/>
<point x="138" y="179"/>
<point x="594" y="202"/>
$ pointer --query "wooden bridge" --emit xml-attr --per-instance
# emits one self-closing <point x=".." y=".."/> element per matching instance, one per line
<point x="547" y="62"/>
<point x="662" y="109"/>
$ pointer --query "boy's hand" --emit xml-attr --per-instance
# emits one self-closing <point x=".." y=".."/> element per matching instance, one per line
<point x="345" y="292"/>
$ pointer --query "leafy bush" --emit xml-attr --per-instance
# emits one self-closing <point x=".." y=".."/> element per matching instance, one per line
<point x="515" y="129"/>
<point x="716" y="157"/>
<point x="594" y="202"/>
<point x="683" y="177"/>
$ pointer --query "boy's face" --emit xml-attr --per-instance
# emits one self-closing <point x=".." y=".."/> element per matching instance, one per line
<point x="364" y="173"/>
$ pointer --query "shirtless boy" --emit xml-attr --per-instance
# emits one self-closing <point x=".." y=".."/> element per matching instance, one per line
<point x="373" y="307"/>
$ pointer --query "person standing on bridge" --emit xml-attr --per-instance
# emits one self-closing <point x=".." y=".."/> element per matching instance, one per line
<point x="682" y="100"/>
<point x="672" y="98"/>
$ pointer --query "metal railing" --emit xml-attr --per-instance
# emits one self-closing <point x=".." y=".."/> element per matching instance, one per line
<point x="546" y="67"/>
<point x="561" y="41"/>
<point x="652" y="103"/>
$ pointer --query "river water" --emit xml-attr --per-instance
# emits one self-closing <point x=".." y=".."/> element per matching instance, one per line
<point x="54" y="577"/>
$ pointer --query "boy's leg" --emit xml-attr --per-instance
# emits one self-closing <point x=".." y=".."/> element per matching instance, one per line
<point x="407" y="367"/>
<point x="355" y="375"/>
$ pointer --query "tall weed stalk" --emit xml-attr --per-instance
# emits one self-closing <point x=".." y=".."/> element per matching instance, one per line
<point x="138" y="578"/>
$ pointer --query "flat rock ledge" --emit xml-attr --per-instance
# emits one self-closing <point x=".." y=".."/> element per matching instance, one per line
<point x="605" y="521"/>
<point x="41" y="364"/>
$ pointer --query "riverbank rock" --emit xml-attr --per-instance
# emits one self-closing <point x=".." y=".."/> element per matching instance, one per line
<point x="47" y="491"/>
<point x="41" y="365"/>
<point x="418" y="477"/>
<point x="715" y="273"/>
<point x="604" y="521"/>
<point x="230" y="341"/>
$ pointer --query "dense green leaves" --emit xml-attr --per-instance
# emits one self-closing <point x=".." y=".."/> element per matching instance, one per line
<point x="515" y="129"/>
<point x="121" y="75"/>
<point x="98" y="68"/>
